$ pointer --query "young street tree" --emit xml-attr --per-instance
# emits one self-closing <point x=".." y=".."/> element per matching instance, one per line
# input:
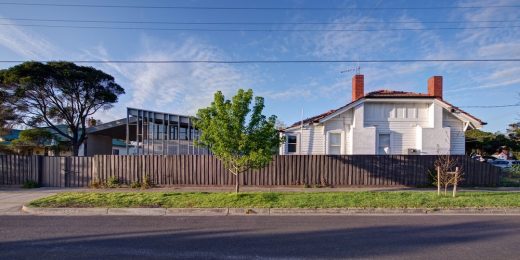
<point x="240" y="139"/>
<point x="59" y="93"/>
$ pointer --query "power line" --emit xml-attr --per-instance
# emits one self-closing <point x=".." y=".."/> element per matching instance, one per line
<point x="272" y="61"/>
<point x="253" y="23"/>
<point x="254" y="8"/>
<point x="258" y="30"/>
<point x="493" y="106"/>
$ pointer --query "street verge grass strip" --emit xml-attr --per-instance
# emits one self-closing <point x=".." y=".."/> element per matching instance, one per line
<point x="295" y="200"/>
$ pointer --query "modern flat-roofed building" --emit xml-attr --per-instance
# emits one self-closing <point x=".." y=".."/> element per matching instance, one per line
<point x="145" y="132"/>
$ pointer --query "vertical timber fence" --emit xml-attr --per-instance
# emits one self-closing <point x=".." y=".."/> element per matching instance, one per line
<point x="206" y="170"/>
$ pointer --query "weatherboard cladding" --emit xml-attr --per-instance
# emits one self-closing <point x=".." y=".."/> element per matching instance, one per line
<point x="384" y="94"/>
<point x="457" y="137"/>
<point x="403" y="134"/>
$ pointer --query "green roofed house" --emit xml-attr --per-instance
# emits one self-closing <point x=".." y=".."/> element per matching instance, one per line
<point x="10" y="136"/>
<point x="58" y="146"/>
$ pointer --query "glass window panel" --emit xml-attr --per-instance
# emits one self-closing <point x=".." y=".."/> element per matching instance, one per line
<point x="335" y="139"/>
<point x="291" y="148"/>
<point x="291" y="143"/>
<point x="335" y="150"/>
<point x="384" y="144"/>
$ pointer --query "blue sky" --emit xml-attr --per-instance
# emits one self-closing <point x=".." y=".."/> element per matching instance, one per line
<point x="183" y="88"/>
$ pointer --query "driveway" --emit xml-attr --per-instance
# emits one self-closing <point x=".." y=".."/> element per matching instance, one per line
<point x="12" y="199"/>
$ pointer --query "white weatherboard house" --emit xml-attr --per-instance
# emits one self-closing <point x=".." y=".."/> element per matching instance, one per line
<point x="384" y="122"/>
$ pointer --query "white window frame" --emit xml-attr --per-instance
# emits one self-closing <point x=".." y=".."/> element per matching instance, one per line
<point x="389" y="143"/>
<point x="298" y="141"/>
<point x="342" y="141"/>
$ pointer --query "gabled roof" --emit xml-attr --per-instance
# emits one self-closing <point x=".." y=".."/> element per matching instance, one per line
<point x="393" y="93"/>
<point x="462" y="111"/>
<point x="11" y="135"/>
<point x="381" y="94"/>
<point x="314" y="118"/>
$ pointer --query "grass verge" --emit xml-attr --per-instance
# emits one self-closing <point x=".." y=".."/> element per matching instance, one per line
<point x="278" y="200"/>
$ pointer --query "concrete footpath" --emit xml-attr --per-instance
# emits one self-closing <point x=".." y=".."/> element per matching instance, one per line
<point x="12" y="199"/>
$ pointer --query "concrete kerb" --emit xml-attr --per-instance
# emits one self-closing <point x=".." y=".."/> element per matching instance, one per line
<point x="65" y="211"/>
<point x="263" y="211"/>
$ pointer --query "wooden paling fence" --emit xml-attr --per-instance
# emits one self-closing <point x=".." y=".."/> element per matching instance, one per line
<point x="206" y="170"/>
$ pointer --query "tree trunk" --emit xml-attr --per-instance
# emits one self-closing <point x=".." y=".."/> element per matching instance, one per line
<point x="237" y="184"/>
<point x="85" y="147"/>
<point x="455" y="181"/>
<point x="75" y="149"/>
<point x="438" y="181"/>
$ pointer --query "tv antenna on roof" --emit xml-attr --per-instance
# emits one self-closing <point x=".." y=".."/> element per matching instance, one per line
<point x="357" y="69"/>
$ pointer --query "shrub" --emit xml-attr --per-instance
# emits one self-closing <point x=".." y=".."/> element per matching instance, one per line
<point x="514" y="172"/>
<point x="147" y="182"/>
<point x="135" y="185"/>
<point x="29" y="184"/>
<point x="112" y="182"/>
<point x="96" y="184"/>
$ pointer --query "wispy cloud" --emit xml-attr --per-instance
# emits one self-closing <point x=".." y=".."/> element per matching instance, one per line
<point x="27" y="44"/>
<point x="178" y="88"/>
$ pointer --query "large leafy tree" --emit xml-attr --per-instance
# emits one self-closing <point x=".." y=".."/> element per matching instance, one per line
<point x="56" y="93"/>
<point x="30" y="139"/>
<point x="237" y="133"/>
<point x="7" y="113"/>
<point x="488" y="143"/>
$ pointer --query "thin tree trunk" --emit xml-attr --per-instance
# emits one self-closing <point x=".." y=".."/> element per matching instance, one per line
<point x="455" y="181"/>
<point x="236" y="183"/>
<point x="438" y="181"/>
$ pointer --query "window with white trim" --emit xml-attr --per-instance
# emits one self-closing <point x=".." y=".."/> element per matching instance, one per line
<point x="334" y="143"/>
<point x="292" y="143"/>
<point x="383" y="144"/>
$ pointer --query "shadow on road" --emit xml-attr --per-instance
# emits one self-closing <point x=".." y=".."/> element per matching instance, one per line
<point x="246" y="237"/>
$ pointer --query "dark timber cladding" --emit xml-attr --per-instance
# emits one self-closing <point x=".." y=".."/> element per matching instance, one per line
<point x="151" y="132"/>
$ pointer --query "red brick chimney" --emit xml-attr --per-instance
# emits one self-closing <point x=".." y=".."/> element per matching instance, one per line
<point x="358" y="87"/>
<point x="435" y="86"/>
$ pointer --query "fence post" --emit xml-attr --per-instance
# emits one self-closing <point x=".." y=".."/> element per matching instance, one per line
<point x="63" y="171"/>
<point x="39" y="170"/>
<point x="95" y="170"/>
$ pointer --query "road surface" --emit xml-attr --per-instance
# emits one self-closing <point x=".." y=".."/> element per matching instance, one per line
<point x="246" y="237"/>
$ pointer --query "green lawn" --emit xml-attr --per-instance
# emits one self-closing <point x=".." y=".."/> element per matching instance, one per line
<point x="408" y="199"/>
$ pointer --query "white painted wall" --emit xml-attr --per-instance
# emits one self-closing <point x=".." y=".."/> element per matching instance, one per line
<point x="363" y="138"/>
<point x="457" y="137"/>
<point x="311" y="140"/>
<point x="400" y="120"/>
<point x="423" y="125"/>
<point x="435" y="140"/>
<point x="435" y="137"/>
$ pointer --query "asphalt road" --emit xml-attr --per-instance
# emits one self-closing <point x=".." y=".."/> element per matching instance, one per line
<point x="246" y="237"/>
